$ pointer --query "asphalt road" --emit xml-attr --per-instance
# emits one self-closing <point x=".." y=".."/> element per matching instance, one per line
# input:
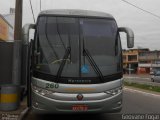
<point x="134" y="101"/>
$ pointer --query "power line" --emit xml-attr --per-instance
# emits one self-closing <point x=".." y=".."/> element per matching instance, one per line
<point x="32" y="11"/>
<point x="141" y="9"/>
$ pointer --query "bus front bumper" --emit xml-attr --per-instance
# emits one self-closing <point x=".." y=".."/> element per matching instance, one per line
<point x="42" y="104"/>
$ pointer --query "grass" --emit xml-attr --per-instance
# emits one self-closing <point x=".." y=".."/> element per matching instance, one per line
<point x="143" y="86"/>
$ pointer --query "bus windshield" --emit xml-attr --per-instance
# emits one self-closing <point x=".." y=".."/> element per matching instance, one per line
<point x="64" y="40"/>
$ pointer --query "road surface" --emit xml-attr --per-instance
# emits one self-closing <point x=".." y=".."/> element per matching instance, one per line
<point x="134" y="101"/>
<point x="141" y="79"/>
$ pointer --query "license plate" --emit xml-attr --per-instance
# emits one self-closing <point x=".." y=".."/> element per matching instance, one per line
<point x="80" y="108"/>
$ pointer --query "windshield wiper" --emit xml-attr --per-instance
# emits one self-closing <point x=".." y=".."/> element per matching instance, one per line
<point x="93" y="64"/>
<point x="67" y="52"/>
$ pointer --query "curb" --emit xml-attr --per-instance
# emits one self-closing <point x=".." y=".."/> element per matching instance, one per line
<point x="24" y="113"/>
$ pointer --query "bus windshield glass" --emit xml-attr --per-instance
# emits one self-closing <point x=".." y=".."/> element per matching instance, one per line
<point x="56" y="35"/>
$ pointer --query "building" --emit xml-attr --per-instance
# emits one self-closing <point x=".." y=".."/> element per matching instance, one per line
<point x="4" y="28"/>
<point x="7" y="26"/>
<point x="148" y="61"/>
<point x="139" y="61"/>
<point x="130" y="60"/>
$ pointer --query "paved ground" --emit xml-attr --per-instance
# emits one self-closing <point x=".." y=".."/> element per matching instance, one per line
<point x="142" y="79"/>
<point x="134" y="101"/>
<point x="13" y="115"/>
<point x="135" y="75"/>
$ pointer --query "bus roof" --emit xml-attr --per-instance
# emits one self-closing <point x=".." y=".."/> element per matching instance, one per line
<point x="75" y="12"/>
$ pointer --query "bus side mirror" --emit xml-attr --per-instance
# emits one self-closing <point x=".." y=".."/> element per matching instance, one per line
<point x="25" y="33"/>
<point x="130" y="36"/>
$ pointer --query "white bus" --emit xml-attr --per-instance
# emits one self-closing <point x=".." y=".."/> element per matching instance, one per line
<point x="74" y="62"/>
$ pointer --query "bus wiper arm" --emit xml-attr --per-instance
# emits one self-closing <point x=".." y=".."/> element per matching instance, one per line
<point x="67" y="52"/>
<point x="93" y="63"/>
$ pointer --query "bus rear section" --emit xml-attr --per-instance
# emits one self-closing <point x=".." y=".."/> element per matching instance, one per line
<point x="77" y="63"/>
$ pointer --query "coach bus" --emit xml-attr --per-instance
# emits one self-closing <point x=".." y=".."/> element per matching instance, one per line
<point x="74" y="62"/>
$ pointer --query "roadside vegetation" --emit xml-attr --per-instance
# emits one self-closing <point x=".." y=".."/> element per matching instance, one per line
<point x="142" y="86"/>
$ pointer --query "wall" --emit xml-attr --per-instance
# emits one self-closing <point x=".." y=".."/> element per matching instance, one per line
<point x="4" y="29"/>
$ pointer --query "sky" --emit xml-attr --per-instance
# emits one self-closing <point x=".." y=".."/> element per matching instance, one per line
<point x="145" y="26"/>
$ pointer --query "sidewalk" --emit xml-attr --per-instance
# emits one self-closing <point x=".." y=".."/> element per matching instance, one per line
<point x="137" y="75"/>
<point x="7" y="115"/>
<point x="140" y="79"/>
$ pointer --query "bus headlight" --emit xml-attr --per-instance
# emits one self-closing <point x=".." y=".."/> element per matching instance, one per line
<point x="41" y="90"/>
<point x="114" y="91"/>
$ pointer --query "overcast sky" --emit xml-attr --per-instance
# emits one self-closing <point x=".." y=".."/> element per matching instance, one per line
<point x="145" y="26"/>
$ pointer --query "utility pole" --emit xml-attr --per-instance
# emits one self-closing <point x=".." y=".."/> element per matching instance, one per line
<point x="40" y="5"/>
<point x="18" y="20"/>
<point x="17" y="47"/>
